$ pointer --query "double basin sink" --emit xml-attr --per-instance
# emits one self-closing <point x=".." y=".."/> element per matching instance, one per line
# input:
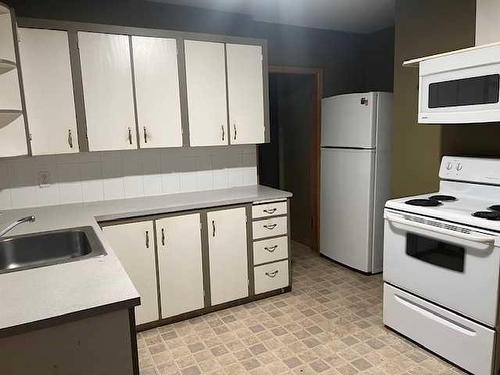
<point x="47" y="248"/>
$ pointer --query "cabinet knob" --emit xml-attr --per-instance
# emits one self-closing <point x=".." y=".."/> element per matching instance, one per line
<point x="235" y="131"/>
<point x="70" y="139"/>
<point x="145" y="135"/>
<point x="223" y="132"/>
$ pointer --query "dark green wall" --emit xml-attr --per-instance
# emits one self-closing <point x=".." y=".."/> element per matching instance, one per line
<point x="423" y="27"/>
<point x="342" y="55"/>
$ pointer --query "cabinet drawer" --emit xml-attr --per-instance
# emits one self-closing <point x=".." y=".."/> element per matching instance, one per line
<point x="266" y="251"/>
<point x="269" y="209"/>
<point x="271" y="227"/>
<point x="459" y="340"/>
<point x="271" y="276"/>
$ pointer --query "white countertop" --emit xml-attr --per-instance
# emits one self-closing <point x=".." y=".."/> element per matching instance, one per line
<point x="49" y="292"/>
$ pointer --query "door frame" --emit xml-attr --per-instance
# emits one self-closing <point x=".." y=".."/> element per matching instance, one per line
<point x="315" y="159"/>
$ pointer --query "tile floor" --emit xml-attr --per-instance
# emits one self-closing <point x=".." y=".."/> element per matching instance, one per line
<point x="331" y="323"/>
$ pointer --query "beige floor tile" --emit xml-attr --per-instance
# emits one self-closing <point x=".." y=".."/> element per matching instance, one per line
<point x="331" y="323"/>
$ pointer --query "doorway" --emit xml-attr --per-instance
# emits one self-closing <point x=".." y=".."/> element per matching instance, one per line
<point x="291" y="161"/>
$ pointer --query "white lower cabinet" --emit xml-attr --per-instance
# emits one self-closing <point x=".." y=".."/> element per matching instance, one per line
<point x="133" y="244"/>
<point x="227" y="247"/>
<point x="180" y="264"/>
<point x="271" y="276"/>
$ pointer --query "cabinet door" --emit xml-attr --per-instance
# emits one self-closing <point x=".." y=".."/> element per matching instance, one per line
<point x="227" y="243"/>
<point x="48" y="89"/>
<point x="206" y="93"/>
<point x="180" y="264"/>
<point x="156" y="77"/>
<point x="134" y="246"/>
<point x="245" y="84"/>
<point x="107" y="90"/>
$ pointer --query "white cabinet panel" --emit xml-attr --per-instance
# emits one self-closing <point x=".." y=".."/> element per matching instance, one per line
<point x="271" y="277"/>
<point x="13" y="139"/>
<point x="157" y="92"/>
<point x="275" y="226"/>
<point x="206" y="93"/>
<point x="270" y="250"/>
<point x="48" y="90"/>
<point x="180" y="264"/>
<point x="134" y="245"/>
<point x="108" y="91"/>
<point x="245" y="84"/>
<point x="227" y="243"/>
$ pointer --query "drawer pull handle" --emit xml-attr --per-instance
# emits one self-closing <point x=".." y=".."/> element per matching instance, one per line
<point x="271" y="249"/>
<point x="163" y="236"/>
<point x="270" y="226"/>
<point x="147" y="239"/>
<point x="213" y="228"/>
<point x="272" y="274"/>
<point x="270" y="211"/>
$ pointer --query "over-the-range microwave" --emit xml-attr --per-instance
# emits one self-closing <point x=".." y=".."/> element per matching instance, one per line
<point x="459" y="87"/>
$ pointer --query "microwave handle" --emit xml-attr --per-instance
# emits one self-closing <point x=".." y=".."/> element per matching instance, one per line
<point x="409" y="225"/>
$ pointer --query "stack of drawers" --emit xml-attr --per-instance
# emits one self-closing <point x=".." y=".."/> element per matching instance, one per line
<point x="270" y="245"/>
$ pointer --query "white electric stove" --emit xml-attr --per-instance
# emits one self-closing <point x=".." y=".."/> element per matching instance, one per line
<point x="442" y="265"/>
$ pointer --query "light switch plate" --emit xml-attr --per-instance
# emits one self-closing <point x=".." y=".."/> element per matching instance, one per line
<point x="44" y="179"/>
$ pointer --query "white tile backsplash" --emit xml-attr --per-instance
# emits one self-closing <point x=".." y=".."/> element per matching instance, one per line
<point x="96" y="176"/>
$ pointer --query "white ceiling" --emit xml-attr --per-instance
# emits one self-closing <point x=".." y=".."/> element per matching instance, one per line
<point x="360" y="16"/>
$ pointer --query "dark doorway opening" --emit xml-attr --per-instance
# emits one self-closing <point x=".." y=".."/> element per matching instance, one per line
<point x="291" y="160"/>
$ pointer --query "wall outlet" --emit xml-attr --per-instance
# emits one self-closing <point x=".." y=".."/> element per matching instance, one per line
<point x="43" y="179"/>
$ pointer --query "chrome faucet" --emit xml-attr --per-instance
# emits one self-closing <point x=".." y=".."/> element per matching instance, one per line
<point x="27" y="219"/>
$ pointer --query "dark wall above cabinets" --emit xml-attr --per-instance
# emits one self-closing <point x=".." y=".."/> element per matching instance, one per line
<point x="351" y="62"/>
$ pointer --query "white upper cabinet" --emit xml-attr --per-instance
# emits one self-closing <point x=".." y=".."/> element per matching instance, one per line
<point x="206" y="93"/>
<point x="156" y="77"/>
<point x="48" y="90"/>
<point x="13" y="140"/>
<point x="108" y="91"/>
<point x="245" y="82"/>
<point x="227" y="247"/>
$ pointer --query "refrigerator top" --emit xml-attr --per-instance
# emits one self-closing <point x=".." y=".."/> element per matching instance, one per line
<point x="349" y="120"/>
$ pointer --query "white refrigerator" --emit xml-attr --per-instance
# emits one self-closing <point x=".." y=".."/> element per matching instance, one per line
<point x="355" y="178"/>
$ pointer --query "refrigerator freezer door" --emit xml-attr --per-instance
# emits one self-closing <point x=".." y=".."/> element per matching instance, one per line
<point x="346" y="206"/>
<point x="349" y="121"/>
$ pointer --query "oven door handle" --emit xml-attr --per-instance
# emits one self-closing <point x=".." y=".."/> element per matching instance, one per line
<point x="481" y="242"/>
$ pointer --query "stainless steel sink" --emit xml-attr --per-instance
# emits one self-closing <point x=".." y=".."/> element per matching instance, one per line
<point x="47" y="248"/>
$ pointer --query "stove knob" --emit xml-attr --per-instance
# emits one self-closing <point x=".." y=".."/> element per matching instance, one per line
<point x="459" y="167"/>
<point x="449" y="166"/>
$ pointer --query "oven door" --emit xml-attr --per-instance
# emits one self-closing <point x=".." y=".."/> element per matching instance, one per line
<point x="470" y="95"/>
<point x="454" y="266"/>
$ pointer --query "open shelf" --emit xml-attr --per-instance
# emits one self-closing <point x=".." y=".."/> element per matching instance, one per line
<point x="6" y="66"/>
<point x="8" y="115"/>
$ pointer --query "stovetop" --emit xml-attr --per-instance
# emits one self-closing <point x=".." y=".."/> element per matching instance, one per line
<point x="469" y="194"/>
<point x="480" y="213"/>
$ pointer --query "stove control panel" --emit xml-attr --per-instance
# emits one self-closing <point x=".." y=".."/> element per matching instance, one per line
<point x="479" y="170"/>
